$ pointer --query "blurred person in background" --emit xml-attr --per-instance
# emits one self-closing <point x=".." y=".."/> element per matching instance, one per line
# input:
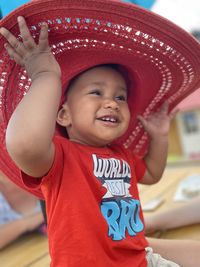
<point x="186" y="214"/>
<point x="20" y="212"/>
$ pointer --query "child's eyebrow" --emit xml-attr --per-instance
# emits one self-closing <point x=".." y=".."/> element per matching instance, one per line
<point x="102" y="83"/>
<point x="98" y="83"/>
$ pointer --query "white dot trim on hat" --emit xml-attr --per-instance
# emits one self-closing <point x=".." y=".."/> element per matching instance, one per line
<point x="154" y="49"/>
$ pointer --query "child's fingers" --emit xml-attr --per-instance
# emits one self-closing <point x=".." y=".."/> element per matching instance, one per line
<point x="173" y="113"/>
<point x="142" y="120"/>
<point x="43" y="38"/>
<point x="13" y="55"/>
<point x="164" y="108"/>
<point x="28" y="40"/>
<point x="13" y="41"/>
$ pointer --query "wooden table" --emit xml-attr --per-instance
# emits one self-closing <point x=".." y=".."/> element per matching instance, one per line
<point x="32" y="250"/>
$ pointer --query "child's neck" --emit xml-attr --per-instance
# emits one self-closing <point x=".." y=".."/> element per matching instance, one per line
<point x="88" y="144"/>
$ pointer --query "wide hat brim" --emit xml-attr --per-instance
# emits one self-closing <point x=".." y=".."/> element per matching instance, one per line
<point x="161" y="60"/>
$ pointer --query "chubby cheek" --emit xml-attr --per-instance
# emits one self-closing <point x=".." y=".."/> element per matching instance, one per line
<point x="83" y="118"/>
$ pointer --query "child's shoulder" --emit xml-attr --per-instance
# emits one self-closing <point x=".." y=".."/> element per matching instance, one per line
<point x="126" y="152"/>
<point x="120" y="149"/>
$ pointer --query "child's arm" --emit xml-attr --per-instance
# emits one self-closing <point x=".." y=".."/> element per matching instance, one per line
<point x="157" y="126"/>
<point x="32" y="125"/>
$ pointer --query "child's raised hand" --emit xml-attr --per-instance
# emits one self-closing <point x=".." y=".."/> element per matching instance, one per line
<point x="158" y="124"/>
<point x="37" y="59"/>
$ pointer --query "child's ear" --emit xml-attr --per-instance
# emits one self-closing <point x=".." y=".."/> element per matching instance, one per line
<point x="63" y="116"/>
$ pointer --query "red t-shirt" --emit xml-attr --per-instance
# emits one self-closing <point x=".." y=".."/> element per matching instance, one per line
<point x="93" y="207"/>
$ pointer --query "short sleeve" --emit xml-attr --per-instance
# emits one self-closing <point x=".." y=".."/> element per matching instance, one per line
<point x="140" y="167"/>
<point x="32" y="183"/>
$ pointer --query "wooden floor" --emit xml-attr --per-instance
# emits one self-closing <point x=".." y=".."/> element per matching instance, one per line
<point x="32" y="250"/>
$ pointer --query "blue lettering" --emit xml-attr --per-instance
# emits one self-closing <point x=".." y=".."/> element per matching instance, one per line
<point x="136" y="222"/>
<point x="122" y="217"/>
<point x="111" y="213"/>
<point x="125" y="218"/>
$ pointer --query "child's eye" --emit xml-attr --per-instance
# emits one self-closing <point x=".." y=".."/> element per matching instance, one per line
<point x="121" y="98"/>
<point x="95" y="92"/>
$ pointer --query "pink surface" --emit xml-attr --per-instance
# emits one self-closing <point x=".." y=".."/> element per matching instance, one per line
<point x="190" y="102"/>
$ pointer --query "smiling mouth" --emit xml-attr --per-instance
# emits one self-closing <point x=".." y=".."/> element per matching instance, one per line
<point x="109" y="119"/>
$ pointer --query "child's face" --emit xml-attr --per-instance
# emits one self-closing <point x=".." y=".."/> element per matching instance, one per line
<point x="96" y="111"/>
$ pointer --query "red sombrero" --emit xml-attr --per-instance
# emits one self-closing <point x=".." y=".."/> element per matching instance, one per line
<point x="162" y="61"/>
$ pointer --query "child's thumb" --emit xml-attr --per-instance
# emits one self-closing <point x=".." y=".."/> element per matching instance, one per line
<point x="142" y="120"/>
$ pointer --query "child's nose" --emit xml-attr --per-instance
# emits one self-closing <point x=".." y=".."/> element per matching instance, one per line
<point x="112" y="104"/>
